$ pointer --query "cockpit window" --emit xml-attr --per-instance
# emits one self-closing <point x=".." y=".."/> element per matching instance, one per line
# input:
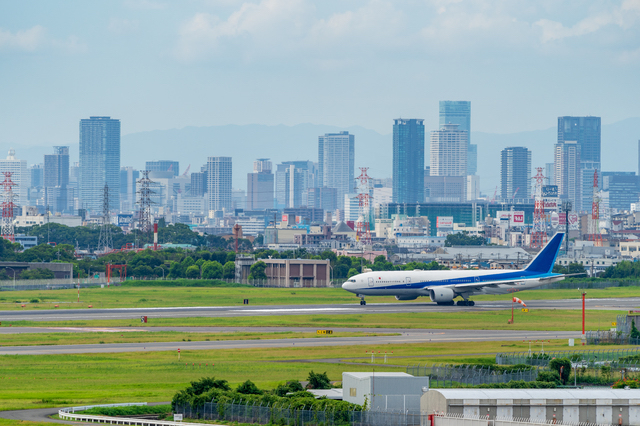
<point x="352" y="281"/>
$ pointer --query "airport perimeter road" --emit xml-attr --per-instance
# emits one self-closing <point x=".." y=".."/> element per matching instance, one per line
<point x="410" y="336"/>
<point x="621" y="304"/>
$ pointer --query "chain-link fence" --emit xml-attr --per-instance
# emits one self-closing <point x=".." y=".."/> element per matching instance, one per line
<point x="285" y="415"/>
<point x="580" y="356"/>
<point x="55" y="284"/>
<point x="445" y="375"/>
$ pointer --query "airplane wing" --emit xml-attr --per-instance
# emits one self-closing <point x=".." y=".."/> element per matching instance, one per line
<point x="503" y="282"/>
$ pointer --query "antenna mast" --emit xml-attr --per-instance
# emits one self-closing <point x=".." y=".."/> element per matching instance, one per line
<point x="105" y="243"/>
<point x="8" y="230"/>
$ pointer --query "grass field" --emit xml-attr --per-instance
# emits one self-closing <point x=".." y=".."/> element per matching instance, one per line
<point x="128" y="297"/>
<point x="540" y="319"/>
<point x="54" y="380"/>
<point x="62" y="338"/>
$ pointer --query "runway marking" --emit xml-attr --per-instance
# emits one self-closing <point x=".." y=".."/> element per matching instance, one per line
<point x="97" y="330"/>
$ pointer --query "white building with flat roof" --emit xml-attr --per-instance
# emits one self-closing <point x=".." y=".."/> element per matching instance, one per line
<point x="20" y="176"/>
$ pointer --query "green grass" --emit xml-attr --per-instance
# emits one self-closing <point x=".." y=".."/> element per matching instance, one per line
<point x="39" y="381"/>
<point x="539" y="319"/>
<point x="62" y="338"/>
<point x="150" y="296"/>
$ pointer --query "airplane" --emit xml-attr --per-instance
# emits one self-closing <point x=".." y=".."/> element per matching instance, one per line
<point x="444" y="286"/>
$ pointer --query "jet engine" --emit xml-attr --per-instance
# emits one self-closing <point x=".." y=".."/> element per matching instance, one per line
<point x="443" y="296"/>
<point x="406" y="297"/>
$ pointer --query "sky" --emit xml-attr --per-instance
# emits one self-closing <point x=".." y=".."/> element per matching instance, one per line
<point x="159" y="64"/>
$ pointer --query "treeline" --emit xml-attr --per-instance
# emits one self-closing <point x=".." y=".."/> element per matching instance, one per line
<point x="624" y="269"/>
<point x="292" y="393"/>
<point x="87" y="237"/>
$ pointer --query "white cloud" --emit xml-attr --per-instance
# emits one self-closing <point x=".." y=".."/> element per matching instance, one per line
<point x="36" y="38"/>
<point x="265" y="27"/>
<point x="122" y="26"/>
<point x="25" y="40"/>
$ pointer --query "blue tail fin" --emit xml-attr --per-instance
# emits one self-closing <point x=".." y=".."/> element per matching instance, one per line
<point x="543" y="262"/>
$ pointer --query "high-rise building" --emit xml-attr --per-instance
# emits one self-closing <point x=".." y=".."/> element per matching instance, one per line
<point x="620" y="189"/>
<point x="293" y="178"/>
<point x="37" y="175"/>
<point x="322" y="198"/>
<point x="336" y="159"/>
<point x="128" y="179"/>
<point x="164" y="166"/>
<point x="260" y="186"/>
<point x="586" y="132"/>
<point x="449" y="151"/>
<point x="459" y="112"/>
<point x="56" y="179"/>
<point x="219" y="179"/>
<point x="99" y="163"/>
<point x="408" y="160"/>
<point x="199" y="183"/>
<point x="21" y="177"/>
<point x="568" y="172"/>
<point x="515" y="173"/>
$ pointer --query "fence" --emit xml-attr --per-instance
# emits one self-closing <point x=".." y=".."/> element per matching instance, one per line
<point x="444" y="375"/>
<point x="462" y="420"/>
<point x="55" y="284"/>
<point x="607" y="337"/>
<point x="286" y="415"/>
<point x="588" y="357"/>
<point x="575" y="285"/>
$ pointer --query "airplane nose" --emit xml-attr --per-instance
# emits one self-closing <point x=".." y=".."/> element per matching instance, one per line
<point x="347" y="285"/>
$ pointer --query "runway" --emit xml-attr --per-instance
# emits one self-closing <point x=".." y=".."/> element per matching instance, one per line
<point x="404" y="337"/>
<point x="621" y="304"/>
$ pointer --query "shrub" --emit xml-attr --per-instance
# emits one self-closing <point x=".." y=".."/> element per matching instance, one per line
<point x="248" y="388"/>
<point x="562" y="366"/>
<point x="319" y="380"/>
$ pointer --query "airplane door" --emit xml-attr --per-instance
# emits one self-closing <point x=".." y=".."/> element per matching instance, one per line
<point x="370" y="282"/>
<point x="477" y="279"/>
<point x="408" y="281"/>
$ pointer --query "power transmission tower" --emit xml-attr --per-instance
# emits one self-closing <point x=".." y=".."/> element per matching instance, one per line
<point x="539" y="234"/>
<point x="594" y="231"/>
<point x="144" y="201"/>
<point x="105" y="243"/>
<point x="363" y="229"/>
<point x="8" y="205"/>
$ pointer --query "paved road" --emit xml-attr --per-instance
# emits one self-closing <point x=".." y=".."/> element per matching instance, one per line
<point x="345" y="309"/>
<point x="406" y="336"/>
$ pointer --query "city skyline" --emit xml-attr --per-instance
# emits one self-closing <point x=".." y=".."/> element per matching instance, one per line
<point x="49" y="50"/>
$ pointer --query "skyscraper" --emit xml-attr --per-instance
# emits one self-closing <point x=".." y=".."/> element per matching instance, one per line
<point x="515" y="173"/>
<point x="449" y="151"/>
<point x="586" y="132"/>
<point x="99" y="163"/>
<point x="408" y="160"/>
<point x="219" y="179"/>
<point x="293" y="178"/>
<point x="336" y="159"/>
<point x="459" y="112"/>
<point x="21" y="177"/>
<point x="568" y="172"/>
<point x="128" y="179"/>
<point x="56" y="179"/>
<point x="260" y="186"/>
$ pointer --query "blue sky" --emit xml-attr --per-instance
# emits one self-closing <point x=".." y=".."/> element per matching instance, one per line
<point x="169" y="64"/>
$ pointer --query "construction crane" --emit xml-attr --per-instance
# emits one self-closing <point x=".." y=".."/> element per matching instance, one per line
<point x="493" y="200"/>
<point x="514" y="194"/>
<point x="186" y="171"/>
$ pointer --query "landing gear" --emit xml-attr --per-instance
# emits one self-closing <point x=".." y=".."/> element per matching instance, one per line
<point x="362" y="301"/>
<point x="451" y="303"/>
<point x="466" y="303"/>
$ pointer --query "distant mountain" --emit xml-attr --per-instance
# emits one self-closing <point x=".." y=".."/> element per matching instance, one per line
<point x="245" y="143"/>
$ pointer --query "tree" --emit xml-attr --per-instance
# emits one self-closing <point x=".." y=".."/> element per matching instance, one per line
<point x="256" y="272"/>
<point x="352" y="272"/>
<point x="248" y="388"/>
<point x="319" y="380"/>
<point x="192" y="272"/>
<point x="143" y="271"/>
<point x="229" y="270"/>
<point x="562" y="366"/>
<point x="211" y="270"/>
<point x="36" y="274"/>
<point x="635" y="334"/>
<point x="464" y="239"/>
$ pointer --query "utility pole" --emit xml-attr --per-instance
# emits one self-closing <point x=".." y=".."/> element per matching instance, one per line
<point x="566" y="207"/>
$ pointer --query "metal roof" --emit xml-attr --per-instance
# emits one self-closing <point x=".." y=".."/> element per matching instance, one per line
<point x="596" y="393"/>
<point x="381" y="374"/>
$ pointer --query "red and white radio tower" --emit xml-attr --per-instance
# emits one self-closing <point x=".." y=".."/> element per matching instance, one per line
<point x="594" y="234"/>
<point x="539" y="234"/>
<point x="363" y="231"/>
<point x="7" y="208"/>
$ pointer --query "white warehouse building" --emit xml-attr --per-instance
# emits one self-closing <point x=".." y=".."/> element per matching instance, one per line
<point x="600" y="405"/>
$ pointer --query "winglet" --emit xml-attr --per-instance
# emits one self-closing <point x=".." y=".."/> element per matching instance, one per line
<point x="545" y="259"/>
